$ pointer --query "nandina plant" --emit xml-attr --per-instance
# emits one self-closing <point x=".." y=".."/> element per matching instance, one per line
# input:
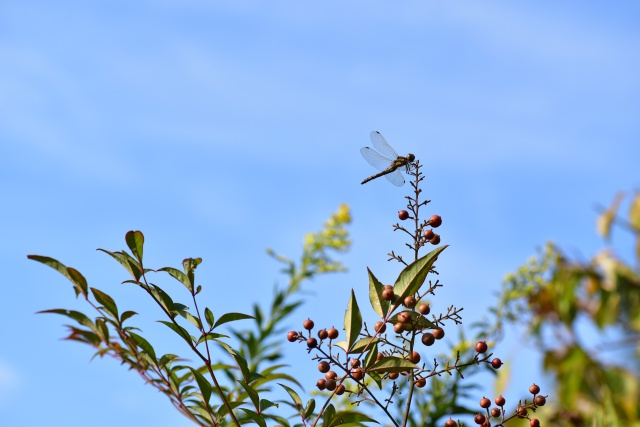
<point x="386" y="363"/>
<point x="389" y="366"/>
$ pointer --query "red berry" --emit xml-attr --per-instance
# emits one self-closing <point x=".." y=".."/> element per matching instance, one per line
<point x="540" y="400"/>
<point x="500" y="401"/>
<point x="435" y="221"/>
<point x="424" y="309"/>
<point x="312" y="343"/>
<point x="428" y="339"/>
<point x="428" y="234"/>
<point x="357" y="374"/>
<point x="521" y="412"/>
<point x="403" y="214"/>
<point x="534" y="389"/>
<point x="534" y="422"/>
<point x="414" y="358"/>
<point x="292" y="336"/>
<point x="387" y="294"/>
<point x="435" y="240"/>
<point x="393" y="375"/>
<point x="308" y="324"/>
<point x="496" y="363"/>
<point x="380" y="327"/>
<point x="481" y="347"/>
<point x="322" y="334"/>
<point x="438" y="333"/>
<point x="479" y="419"/>
<point x="496" y="412"/>
<point x="321" y="384"/>
<point x="333" y="333"/>
<point x="404" y="317"/>
<point x="355" y="363"/>
<point x="485" y="403"/>
<point x="340" y="390"/>
<point x="331" y="375"/>
<point x="409" y="301"/>
<point x="323" y="367"/>
<point x="398" y="328"/>
<point x="450" y="423"/>
<point x="330" y="385"/>
<point x="420" y="382"/>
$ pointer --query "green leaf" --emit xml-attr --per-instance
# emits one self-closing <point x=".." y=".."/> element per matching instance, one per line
<point x="164" y="300"/>
<point x="376" y="378"/>
<point x="78" y="279"/>
<point x="242" y="364"/>
<point x="294" y="396"/>
<point x="253" y="395"/>
<point x="127" y="314"/>
<point x="79" y="317"/>
<point x="179" y="330"/>
<point x="379" y="304"/>
<point x="107" y="302"/>
<point x="210" y="336"/>
<point x="127" y="261"/>
<point x="266" y="404"/>
<point x="231" y="317"/>
<point x="352" y="320"/>
<point x="255" y="417"/>
<point x="413" y="276"/>
<point x="144" y="345"/>
<point x="208" y="315"/>
<point x="308" y="410"/>
<point x="392" y="364"/>
<point x="364" y="344"/>
<point x="74" y="276"/>
<point x="203" y="385"/>
<point x="166" y="359"/>
<point x="329" y="415"/>
<point x="135" y="241"/>
<point x="371" y="357"/>
<point x="344" y="418"/>
<point x="179" y="276"/>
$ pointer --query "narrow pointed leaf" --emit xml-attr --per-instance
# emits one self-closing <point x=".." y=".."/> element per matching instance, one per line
<point x="127" y="261"/>
<point x="208" y="315"/>
<point x="392" y="364"/>
<point x="179" y="330"/>
<point x="144" y="345"/>
<point x="79" y="317"/>
<point x="127" y="314"/>
<point x="379" y="304"/>
<point x="364" y="344"/>
<point x="294" y="396"/>
<point x="308" y="410"/>
<point x="231" y="317"/>
<point x="345" y="418"/>
<point x="179" y="276"/>
<point x="253" y="395"/>
<point x="203" y="385"/>
<point x="255" y="417"/>
<point x="135" y="241"/>
<point x="352" y="320"/>
<point x="107" y="302"/>
<point x="413" y="276"/>
<point x="329" y="415"/>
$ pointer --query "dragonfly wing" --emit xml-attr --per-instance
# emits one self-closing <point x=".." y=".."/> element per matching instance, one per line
<point x="382" y="146"/>
<point x="375" y="159"/>
<point x="395" y="178"/>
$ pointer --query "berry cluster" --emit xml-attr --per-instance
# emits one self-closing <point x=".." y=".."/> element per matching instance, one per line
<point x="498" y="411"/>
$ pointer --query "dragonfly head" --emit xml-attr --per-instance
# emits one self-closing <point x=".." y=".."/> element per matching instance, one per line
<point x="411" y="157"/>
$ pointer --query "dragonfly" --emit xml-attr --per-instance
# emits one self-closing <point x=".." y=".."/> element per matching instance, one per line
<point x="386" y="160"/>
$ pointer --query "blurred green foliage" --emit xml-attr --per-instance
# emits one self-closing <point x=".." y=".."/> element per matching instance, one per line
<point x="584" y="316"/>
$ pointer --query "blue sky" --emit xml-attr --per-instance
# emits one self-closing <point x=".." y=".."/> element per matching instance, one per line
<point x="222" y="128"/>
